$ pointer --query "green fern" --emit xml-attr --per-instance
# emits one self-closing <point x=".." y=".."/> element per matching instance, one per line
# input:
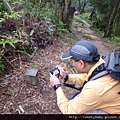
<point x="9" y="40"/>
<point x="2" y="20"/>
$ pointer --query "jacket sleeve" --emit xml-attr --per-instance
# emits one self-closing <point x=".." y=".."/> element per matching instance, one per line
<point x="87" y="100"/>
<point x="77" y="78"/>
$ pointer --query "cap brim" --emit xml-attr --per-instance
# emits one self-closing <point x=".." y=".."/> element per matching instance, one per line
<point x="66" y="56"/>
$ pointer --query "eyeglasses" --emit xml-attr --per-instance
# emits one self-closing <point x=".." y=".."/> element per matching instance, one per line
<point x="73" y="60"/>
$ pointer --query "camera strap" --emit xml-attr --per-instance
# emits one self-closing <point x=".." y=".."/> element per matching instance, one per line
<point x="73" y="86"/>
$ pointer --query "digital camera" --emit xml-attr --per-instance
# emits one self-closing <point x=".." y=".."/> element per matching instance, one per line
<point x="56" y="72"/>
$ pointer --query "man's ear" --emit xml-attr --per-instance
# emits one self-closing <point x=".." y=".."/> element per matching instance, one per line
<point x="82" y="63"/>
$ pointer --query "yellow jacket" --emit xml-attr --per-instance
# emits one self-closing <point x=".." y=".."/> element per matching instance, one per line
<point x="101" y="93"/>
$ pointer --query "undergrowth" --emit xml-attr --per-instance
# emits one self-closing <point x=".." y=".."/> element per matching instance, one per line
<point x="116" y="40"/>
<point x="29" y="26"/>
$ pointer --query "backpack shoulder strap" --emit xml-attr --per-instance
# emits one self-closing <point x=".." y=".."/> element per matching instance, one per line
<point x="98" y="72"/>
<point x="98" y="75"/>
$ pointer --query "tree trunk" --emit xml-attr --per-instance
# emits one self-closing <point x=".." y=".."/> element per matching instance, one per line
<point x="79" y="8"/>
<point x="56" y="2"/>
<point x="93" y="13"/>
<point x="67" y="13"/>
<point x="62" y="7"/>
<point x="111" y="20"/>
<point x="84" y="4"/>
<point x="116" y="20"/>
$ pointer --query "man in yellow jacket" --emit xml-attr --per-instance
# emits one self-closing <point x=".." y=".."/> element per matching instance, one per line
<point x="100" y="96"/>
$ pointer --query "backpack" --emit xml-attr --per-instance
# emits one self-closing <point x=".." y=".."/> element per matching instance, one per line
<point x="111" y="66"/>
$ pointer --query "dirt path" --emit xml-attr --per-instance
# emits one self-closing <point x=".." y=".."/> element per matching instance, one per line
<point x="84" y="32"/>
<point x="15" y="93"/>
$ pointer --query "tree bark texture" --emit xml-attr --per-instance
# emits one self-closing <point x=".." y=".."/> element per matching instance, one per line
<point x="93" y="13"/>
<point x="56" y="2"/>
<point x="112" y="19"/>
<point x="67" y="13"/>
<point x="83" y="6"/>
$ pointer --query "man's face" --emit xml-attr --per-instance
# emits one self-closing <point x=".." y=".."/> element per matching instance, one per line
<point x="76" y="64"/>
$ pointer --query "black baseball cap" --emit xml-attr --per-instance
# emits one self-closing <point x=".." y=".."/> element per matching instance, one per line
<point x="83" y="50"/>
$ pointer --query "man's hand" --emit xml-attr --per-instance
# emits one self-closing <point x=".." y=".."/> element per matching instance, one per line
<point x="62" y="71"/>
<point x="54" y="80"/>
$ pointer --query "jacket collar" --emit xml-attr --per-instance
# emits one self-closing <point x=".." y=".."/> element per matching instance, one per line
<point x="94" y="67"/>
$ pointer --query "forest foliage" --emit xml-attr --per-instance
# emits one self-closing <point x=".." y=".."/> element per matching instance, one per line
<point x="26" y="25"/>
